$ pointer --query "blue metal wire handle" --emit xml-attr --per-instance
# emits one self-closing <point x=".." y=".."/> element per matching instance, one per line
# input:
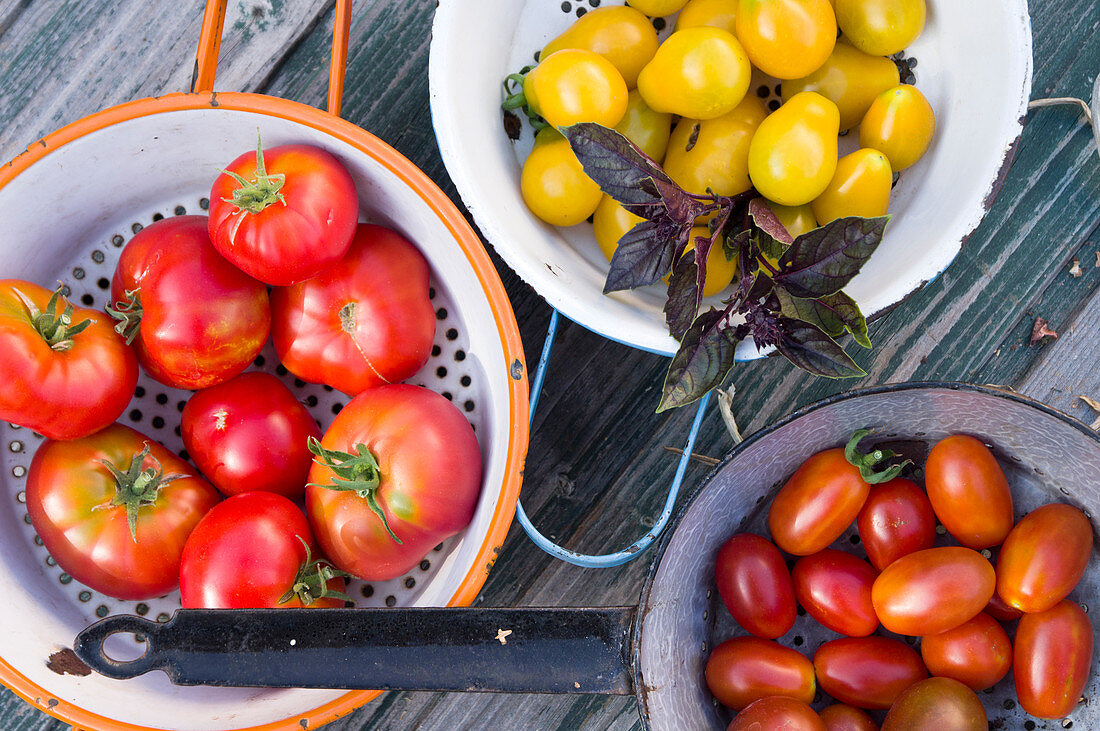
<point x="635" y="549"/>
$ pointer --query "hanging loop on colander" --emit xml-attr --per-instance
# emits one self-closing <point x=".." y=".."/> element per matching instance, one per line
<point x="635" y="549"/>
<point x="1090" y="110"/>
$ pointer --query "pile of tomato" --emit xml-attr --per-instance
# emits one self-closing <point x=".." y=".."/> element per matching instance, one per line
<point x="194" y="299"/>
<point x="956" y="598"/>
<point x="691" y="104"/>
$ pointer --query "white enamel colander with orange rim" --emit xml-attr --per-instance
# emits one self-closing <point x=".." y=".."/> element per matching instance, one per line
<point x="127" y="166"/>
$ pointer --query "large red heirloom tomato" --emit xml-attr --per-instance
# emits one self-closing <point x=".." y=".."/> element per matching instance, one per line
<point x="398" y="471"/>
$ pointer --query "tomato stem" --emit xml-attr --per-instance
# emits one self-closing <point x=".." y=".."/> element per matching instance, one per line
<point x="56" y="329"/>
<point x="137" y="486"/>
<point x="515" y="98"/>
<point x="128" y="313"/>
<point x="253" y="196"/>
<point x="311" y="581"/>
<point x="358" y="473"/>
<point x="868" y="463"/>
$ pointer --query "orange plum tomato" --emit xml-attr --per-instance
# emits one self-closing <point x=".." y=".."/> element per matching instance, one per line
<point x="745" y="669"/>
<point x="977" y="653"/>
<point x="777" y="712"/>
<point x="834" y="588"/>
<point x="969" y="491"/>
<point x="1044" y="557"/>
<point x="755" y="585"/>
<point x="867" y="672"/>
<point x="1052" y="659"/>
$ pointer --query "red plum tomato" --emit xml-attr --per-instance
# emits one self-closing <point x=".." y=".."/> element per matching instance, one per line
<point x="250" y="433"/>
<point x="115" y="508"/>
<point x="249" y="551"/>
<point x="937" y="704"/>
<point x="1044" y="557"/>
<point x="365" y="322"/>
<point x="64" y="381"/>
<point x="842" y="717"/>
<point x="932" y="591"/>
<point x="777" y="713"/>
<point x="1052" y="659"/>
<point x="285" y="214"/>
<point x="977" y="653"/>
<point x="755" y="585"/>
<point x="896" y="519"/>
<point x="397" y="472"/>
<point x="834" y="588"/>
<point x="745" y="669"/>
<point x="194" y="318"/>
<point x="1001" y="611"/>
<point x="867" y="672"/>
<point x="969" y="491"/>
<point x="817" y="503"/>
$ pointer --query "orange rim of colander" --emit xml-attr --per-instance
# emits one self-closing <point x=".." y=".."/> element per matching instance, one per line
<point x="490" y="282"/>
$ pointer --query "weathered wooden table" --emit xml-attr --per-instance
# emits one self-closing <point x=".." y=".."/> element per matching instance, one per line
<point x="597" y="471"/>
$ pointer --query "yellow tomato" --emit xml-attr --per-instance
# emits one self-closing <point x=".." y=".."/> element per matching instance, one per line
<point x="851" y="79"/>
<point x="610" y="222"/>
<point x="714" y="153"/>
<point x="796" y="219"/>
<point x="644" y="127"/>
<point x="700" y="73"/>
<point x="787" y="39"/>
<point x="622" y="35"/>
<point x="573" y="86"/>
<point x="657" y="8"/>
<point x="715" y="13"/>
<point x="881" y="27"/>
<point x="553" y="182"/>
<point x="900" y="125"/>
<point x="792" y="156"/>
<point x="720" y="270"/>
<point x="860" y="187"/>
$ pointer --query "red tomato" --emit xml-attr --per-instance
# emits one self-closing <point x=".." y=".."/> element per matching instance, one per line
<point x="283" y="216"/>
<point x="835" y="589"/>
<point x="755" y="585"/>
<point x="745" y="669"/>
<point x="1001" y="611"/>
<point x="250" y="552"/>
<point x="936" y="704"/>
<point x="250" y="433"/>
<point x="777" y="713"/>
<point x="817" y="504"/>
<point x="896" y="519"/>
<point x="1052" y="659"/>
<point x="977" y="653"/>
<point x="195" y="319"/>
<point x="932" y="591"/>
<point x="841" y="717"/>
<point x="425" y="481"/>
<point x="62" y="381"/>
<point x="969" y="491"/>
<point x="1044" y="557"/>
<point x="115" y="508"/>
<point x="365" y="322"/>
<point x="867" y="672"/>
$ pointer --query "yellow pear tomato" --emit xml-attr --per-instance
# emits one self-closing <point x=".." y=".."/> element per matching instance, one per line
<point x="881" y="27"/>
<point x="574" y="85"/>
<point x="714" y="153"/>
<point x="621" y="34"/>
<point x="787" y="39"/>
<point x="900" y="125"/>
<point x="657" y="8"/>
<point x="554" y="184"/>
<point x="644" y="127"/>
<point x="860" y="187"/>
<point x="793" y="155"/>
<point x="796" y="219"/>
<point x="700" y="73"/>
<point x="720" y="270"/>
<point x="715" y="13"/>
<point x="851" y="79"/>
<point x="610" y="222"/>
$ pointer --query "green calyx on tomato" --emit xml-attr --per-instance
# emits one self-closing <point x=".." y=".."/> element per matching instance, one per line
<point x="136" y="486"/>
<point x="128" y="314"/>
<point x="358" y="473"/>
<point x="257" y="194"/>
<point x="869" y="462"/>
<point x="311" y="582"/>
<point x="514" y="98"/>
<point x="56" y="329"/>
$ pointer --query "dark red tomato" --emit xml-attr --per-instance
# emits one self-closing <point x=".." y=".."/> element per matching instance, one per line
<point x="285" y="216"/>
<point x="115" y="509"/>
<point x="755" y="585"/>
<point x="937" y="704"/>
<point x="867" y="672"/>
<point x="250" y="552"/>
<point x="896" y="519"/>
<point x="250" y="433"/>
<point x="1001" y="611"/>
<point x="416" y="460"/>
<point x="932" y="591"/>
<point x="194" y="318"/>
<point x="63" y="381"/>
<point x="1052" y="659"/>
<point x="977" y="653"/>
<point x="745" y="669"/>
<point x="969" y="491"/>
<point x="817" y="504"/>
<point x="1044" y="557"/>
<point x="834" y="587"/>
<point x="364" y="322"/>
<point x="841" y="717"/>
<point x="777" y="713"/>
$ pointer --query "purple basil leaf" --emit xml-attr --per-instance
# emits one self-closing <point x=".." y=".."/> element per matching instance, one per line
<point x="833" y="313"/>
<point x="703" y="361"/>
<point x="682" y="208"/>
<point x="683" y="297"/>
<point x="811" y="349"/>
<point x="645" y="254"/>
<point x="766" y="220"/>
<point x="621" y="170"/>
<point x="823" y="261"/>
